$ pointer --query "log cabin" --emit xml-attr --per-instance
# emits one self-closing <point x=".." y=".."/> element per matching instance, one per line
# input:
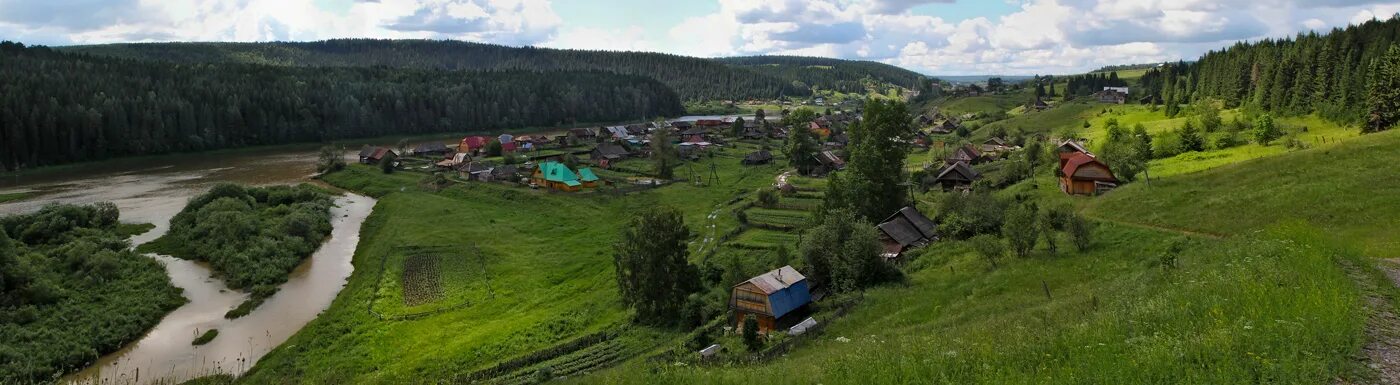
<point x="1083" y="174"/>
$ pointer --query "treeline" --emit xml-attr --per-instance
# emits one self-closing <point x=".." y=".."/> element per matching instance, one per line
<point x="251" y="236"/>
<point x="850" y="76"/>
<point x="58" y="107"/>
<point x="692" y="78"/>
<point x="1332" y="74"/>
<point x="71" y="290"/>
<point x="1087" y="84"/>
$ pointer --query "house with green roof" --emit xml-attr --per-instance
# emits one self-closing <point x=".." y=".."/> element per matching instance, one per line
<point x="558" y="176"/>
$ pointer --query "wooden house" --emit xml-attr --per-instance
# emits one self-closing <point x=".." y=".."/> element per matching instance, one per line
<point x="829" y="162"/>
<point x="1083" y="174"/>
<point x="758" y="157"/>
<point x="695" y="135"/>
<point x="505" y="173"/>
<point x="372" y="155"/>
<point x="556" y="176"/>
<point x="607" y="153"/>
<point x="955" y="175"/>
<point x="945" y="127"/>
<point x="905" y="229"/>
<point x="995" y="145"/>
<point x="1111" y="95"/>
<point x="582" y="135"/>
<point x="769" y="297"/>
<point x="431" y="149"/>
<point x="966" y="154"/>
<point x="455" y="162"/>
<point x="587" y="178"/>
<point x="819" y="129"/>
<point x="1068" y="148"/>
<point x="681" y="125"/>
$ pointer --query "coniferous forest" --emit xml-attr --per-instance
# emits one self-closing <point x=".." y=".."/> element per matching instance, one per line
<point x="692" y="78"/>
<point x="1347" y="75"/>
<point x="850" y="76"/>
<point x="58" y="107"/>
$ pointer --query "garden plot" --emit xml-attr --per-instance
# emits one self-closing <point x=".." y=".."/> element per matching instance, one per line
<point x="420" y="281"/>
<point x="765" y="239"/>
<point x="778" y="218"/>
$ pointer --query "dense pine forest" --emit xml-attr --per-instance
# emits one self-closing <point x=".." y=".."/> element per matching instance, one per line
<point x="71" y="290"/>
<point x="692" y="78"/>
<point x="849" y="76"/>
<point x="58" y="107"/>
<point x="1348" y="75"/>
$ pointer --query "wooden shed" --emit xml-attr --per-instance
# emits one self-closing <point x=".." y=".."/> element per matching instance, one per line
<point x="769" y="297"/>
<point x="1083" y="174"/>
<point x="958" y="174"/>
<point x="905" y="229"/>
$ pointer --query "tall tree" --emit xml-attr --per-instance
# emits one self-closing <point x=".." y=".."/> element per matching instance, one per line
<point x="876" y="166"/>
<point x="654" y="275"/>
<point x="800" y="144"/>
<point x="1383" y="92"/>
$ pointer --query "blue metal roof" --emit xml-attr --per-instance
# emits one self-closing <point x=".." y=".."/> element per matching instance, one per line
<point x="789" y="299"/>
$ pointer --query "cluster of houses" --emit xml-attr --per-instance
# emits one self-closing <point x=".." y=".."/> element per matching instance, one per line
<point x="957" y="173"/>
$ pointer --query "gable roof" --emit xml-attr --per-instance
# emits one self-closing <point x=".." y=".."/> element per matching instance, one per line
<point x="367" y="151"/>
<point x="430" y="147"/>
<point x="1069" y="145"/>
<point x="681" y="124"/>
<point x="966" y="151"/>
<point x="609" y="150"/>
<point x="995" y="141"/>
<point x="558" y="172"/>
<point x="695" y="131"/>
<point x="960" y="169"/>
<point x="758" y="156"/>
<point x="777" y="279"/>
<point x="475" y="141"/>
<point x="586" y="174"/>
<point x="582" y="132"/>
<point x="1080" y="160"/>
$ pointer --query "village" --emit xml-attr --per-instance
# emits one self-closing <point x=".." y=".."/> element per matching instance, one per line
<point x="779" y="304"/>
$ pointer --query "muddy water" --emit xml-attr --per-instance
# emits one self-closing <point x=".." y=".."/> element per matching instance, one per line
<point x="153" y="191"/>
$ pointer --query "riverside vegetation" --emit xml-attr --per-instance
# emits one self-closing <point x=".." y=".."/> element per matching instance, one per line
<point x="71" y="290"/>
<point x="252" y="237"/>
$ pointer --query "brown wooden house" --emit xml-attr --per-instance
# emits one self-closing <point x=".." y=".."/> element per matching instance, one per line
<point x="1083" y="174"/>
<point x="956" y="175"/>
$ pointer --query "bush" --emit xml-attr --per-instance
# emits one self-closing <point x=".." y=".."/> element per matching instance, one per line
<point x="205" y="338"/>
<point x="1080" y="232"/>
<point x="1021" y="229"/>
<point x="1265" y="131"/>
<point x="988" y="246"/>
<point x="767" y="197"/>
<point x="751" y="340"/>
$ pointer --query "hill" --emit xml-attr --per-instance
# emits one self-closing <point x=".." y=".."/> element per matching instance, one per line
<point x="850" y="76"/>
<point x="61" y="107"/>
<point x="692" y="78"/>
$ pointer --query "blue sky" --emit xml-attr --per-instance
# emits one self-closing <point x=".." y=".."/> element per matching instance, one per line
<point x="939" y="37"/>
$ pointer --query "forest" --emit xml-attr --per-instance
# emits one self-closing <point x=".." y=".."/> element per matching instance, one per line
<point x="691" y="78"/>
<point x="58" y="107"/>
<point x="849" y="76"/>
<point x="1348" y="75"/>
<point x="251" y="236"/>
<point x="71" y="290"/>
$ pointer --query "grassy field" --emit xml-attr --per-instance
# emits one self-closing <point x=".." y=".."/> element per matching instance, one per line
<point x="1338" y="188"/>
<point x="986" y="104"/>
<point x="544" y="277"/>
<point x="1267" y="308"/>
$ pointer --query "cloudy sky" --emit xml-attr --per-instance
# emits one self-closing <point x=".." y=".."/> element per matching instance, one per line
<point x="942" y="37"/>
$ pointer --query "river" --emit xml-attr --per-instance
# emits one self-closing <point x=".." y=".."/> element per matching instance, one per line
<point x="153" y="190"/>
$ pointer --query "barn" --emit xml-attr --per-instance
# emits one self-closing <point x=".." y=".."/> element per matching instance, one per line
<point x="769" y="297"/>
<point x="1083" y="174"/>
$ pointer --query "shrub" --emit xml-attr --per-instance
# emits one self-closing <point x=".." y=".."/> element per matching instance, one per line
<point x="1265" y="131"/>
<point x="1080" y="232"/>
<point x="206" y="337"/>
<point x="1021" y="229"/>
<point x="751" y="340"/>
<point x="767" y="197"/>
<point x="988" y="246"/>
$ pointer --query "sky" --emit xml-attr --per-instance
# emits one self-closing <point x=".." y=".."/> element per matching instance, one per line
<point x="935" y="37"/>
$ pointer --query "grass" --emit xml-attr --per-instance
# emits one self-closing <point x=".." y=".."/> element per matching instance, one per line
<point x="1337" y="187"/>
<point x="17" y="196"/>
<point x="126" y="230"/>
<point x="206" y="337"/>
<point x="985" y="104"/>
<point x="766" y="239"/>
<point x="547" y="255"/>
<point x="1272" y="308"/>
<point x="789" y="218"/>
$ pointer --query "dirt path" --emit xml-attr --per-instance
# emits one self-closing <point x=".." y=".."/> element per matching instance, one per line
<point x="1382" y="350"/>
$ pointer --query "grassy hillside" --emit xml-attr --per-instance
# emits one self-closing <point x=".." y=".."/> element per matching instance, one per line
<point x="1342" y="189"/>
<point x="985" y="104"/>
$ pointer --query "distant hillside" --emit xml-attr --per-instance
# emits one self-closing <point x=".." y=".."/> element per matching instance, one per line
<point x="827" y="73"/>
<point x="691" y="78"/>
<point x="983" y="78"/>
<point x="57" y="107"/>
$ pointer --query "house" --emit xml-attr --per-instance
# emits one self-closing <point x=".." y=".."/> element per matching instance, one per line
<point x="587" y="177"/>
<point x="758" y="157"/>
<point x="1121" y="90"/>
<point x="505" y="173"/>
<point x="965" y="154"/>
<point x="954" y="176"/>
<point x="948" y="126"/>
<point x="456" y="161"/>
<point x="681" y="125"/>
<point x="473" y="144"/>
<point x="582" y="135"/>
<point x="606" y="153"/>
<point x="618" y="132"/>
<point x="372" y="155"/>
<point x="506" y="139"/>
<point x="430" y="149"/>
<point x="710" y="123"/>
<point x="905" y="229"/>
<point x="478" y="171"/>
<point x="639" y="129"/>
<point x="829" y="162"/>
<point x="557" y="176"/>
<point x="820" y="130"/>
<point x="769" y="297"/>
<point x="923" y="120"/>
<point x="1068" y="148"/>
<point x="837" y="140"/>
<point x="1083" y="174"/>
<point x="995" y="145"/>
<point x="695" y="134"/>
<point x="1111" y="95"/>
